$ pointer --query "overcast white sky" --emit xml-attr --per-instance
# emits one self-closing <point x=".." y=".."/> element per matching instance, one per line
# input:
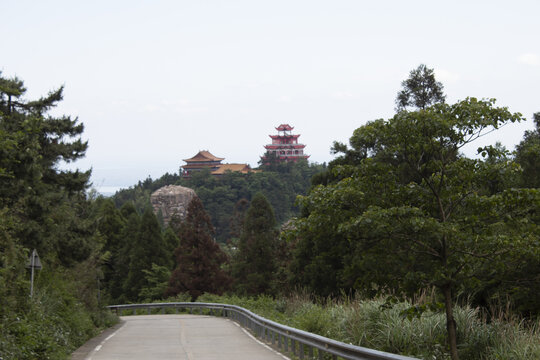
<point x="154" y="82"/>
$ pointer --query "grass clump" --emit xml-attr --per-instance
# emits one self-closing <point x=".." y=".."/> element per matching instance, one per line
<point x="369" y="323"/>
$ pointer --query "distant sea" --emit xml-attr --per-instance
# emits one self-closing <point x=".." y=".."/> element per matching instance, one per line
<point x="108" y="191"/>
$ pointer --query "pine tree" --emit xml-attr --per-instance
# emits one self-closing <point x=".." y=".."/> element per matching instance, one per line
<point x="171" y="243"/>
<point x="199" y="258"/>
<point x="31" y="183"/>
<point x="237" y="220"/>
<point x="255" y="264"/>
<point x="110" y="226"/>
<point x="146" y="248"/>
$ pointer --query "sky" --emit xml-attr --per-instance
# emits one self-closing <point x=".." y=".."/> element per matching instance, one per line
<point x="154" y="82"/>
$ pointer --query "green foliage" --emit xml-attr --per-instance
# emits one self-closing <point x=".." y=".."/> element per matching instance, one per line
<point x="420" y="90"/>
<point x="199" y="258"/>
<point x="254" y="264"/>
<point x="280" y="185"/>
<point x="157" y="279"/>
<point x="53" y="323"/>
<point x="528" y="156"/>
<point x="146" y="249"/>
<point x="369" y="323"/>
<point x="415" y="213"/>
<point x="31" y="183"/>
<point x="44" y="207"/>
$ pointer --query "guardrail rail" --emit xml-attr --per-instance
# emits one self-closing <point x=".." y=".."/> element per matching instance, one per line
<point x="287" y="339"/>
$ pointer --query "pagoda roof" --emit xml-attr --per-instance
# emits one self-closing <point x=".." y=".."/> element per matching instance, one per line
<point x="243" y="168"/>
<point x="285" y="146"/>
<point x="204" y="155"/>
<point x="284" y="136"/>
<point x="284" y="127"/>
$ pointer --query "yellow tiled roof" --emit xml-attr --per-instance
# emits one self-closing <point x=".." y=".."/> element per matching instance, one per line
<point x="204" y="155"/>
<point x="243" y="168"/>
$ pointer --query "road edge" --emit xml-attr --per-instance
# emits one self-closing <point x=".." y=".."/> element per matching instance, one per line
<point x="86" y="349"/>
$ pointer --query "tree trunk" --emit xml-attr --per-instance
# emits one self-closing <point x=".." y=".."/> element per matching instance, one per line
<point x="450" y="322"/>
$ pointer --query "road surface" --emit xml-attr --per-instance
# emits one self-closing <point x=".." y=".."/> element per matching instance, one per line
<point x="179" y="337"/>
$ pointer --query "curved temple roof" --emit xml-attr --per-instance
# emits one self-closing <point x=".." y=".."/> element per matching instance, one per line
<point x="284" y="127"/>
<point x="204" y="155"/>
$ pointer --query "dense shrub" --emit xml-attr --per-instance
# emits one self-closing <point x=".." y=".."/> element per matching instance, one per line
<point x="52" y="324"/>
<point x="372" y="324"/>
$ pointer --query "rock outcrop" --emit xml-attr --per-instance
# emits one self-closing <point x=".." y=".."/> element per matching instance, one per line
<point x="172" y="200"/>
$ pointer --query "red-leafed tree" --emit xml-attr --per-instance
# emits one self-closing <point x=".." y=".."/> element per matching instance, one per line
<point x="199" y="258"/>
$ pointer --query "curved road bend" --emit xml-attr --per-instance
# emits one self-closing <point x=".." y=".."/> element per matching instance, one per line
<point x="184" y="337"/>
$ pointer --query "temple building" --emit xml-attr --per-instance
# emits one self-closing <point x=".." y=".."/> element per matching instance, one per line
<point x="205" y="160"/>
<point x="242" y="168"/>
<point x="285" y="145"/>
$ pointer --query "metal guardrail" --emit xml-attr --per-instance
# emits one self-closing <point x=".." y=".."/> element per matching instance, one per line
<point x="287" y="339"/>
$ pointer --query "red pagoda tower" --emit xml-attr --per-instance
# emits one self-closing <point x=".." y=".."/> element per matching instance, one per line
<point x="285" y="145"/>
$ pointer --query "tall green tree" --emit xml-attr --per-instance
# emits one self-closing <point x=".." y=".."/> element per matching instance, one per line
<point x="110" y="226"/>
<point x="146" y="249"/>
<point x="199" y="259"/>
<point x="415" y="213"/>
<point x="254" y="265"/>
<point x="32" y="184"/>
<point x="118" y="264"/>
<point x="420" y="90"/>
<point x="46" y="207"/>
<point x="528" y="155"/>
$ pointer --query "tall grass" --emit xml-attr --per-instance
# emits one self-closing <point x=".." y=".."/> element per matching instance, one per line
<point x="370" y="324"/>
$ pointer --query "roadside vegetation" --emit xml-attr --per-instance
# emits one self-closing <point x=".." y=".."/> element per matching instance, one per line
<point x="48" y="209"/>
<point x="399" y="213"/>
<point x="374" y="324"/>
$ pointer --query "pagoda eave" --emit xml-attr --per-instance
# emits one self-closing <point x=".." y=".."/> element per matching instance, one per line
<point x="284" y="127"/>
<point x="285" y="136"/>
<point x="282" y="146"/>
<point x="200" y="166"/>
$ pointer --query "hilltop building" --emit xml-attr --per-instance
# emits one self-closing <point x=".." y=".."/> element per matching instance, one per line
<point x="243" y="168"/>
<point x="205" y="160"/>
<point x="285" y="146"/>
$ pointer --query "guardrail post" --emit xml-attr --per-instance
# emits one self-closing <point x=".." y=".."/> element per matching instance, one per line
<point x="163" y="310"/>
<point x="310" y="352"/>
<point x="301" y="349"/>
<point x="321" y="354"/>
<point x="149" y="310"/>
<point x="293" y="346"/>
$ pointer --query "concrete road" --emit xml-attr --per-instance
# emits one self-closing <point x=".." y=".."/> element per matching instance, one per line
<point x="184" y="337"/>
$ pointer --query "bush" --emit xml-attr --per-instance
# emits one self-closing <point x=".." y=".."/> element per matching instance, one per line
<point x="369" y="323"/>
<point x="52" y="324"/>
